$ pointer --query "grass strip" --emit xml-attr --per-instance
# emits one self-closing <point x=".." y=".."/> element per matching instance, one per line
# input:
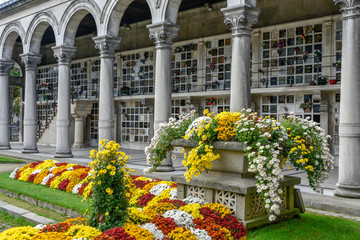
<point x="10" y="160"/>
<point x="309" y="226"/>
<point x="33" y="208"/>
<point x="7" y="220"/>
<point x="44" y="193"/>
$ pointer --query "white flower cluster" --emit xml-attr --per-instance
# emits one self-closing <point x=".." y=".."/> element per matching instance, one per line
<point x="173" y="194"/>
<point x="181" y="218"/>
<point x="196" y="124"/>
<point x="76" y="189"/>
<point x="159" y="188"/>
<point x="191" y="200"/>
<point x="13" y="174"/>
<point x="161" y="140"/>
<point x="200" y="233"/>
<point x="263" y="157"/>
<point x="157" y="233"/>
<point x="44" y="181"/>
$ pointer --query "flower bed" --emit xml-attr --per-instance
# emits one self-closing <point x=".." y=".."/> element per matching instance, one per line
<point x="154" y="213"/>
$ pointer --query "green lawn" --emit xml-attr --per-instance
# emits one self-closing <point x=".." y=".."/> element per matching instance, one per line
<point x="10" y="160"/>
<point x="43" y="193"/>
<point x="309" y="226"/>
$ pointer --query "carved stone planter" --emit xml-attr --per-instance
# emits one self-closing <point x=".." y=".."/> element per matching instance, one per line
<point x="230" y="184"/>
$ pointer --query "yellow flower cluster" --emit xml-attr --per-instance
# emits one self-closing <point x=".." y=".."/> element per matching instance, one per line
<point x="136" y="216"/>
<point x="193" y="209"/>
<point x="159" y="208"/>
<point x="164" y="195"/>
<point x="52" y="236"/>
<point x="23" y="233"/>
<point x="136" y="194"/>
<point x="138" y="232"/>
<point x="81" y="231"/>
<point x="181" y="233"/>
<point x="225" y="125"/>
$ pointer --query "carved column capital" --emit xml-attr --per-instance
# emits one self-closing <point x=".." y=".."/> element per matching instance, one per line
<point x="64" y="54"/>
<point x="241" y="18"/>
<point x="31" y="61"/>
<point x="349" y="8"/>
<point x="163" y="34"/>
<point x="5" y="67"/>
<point x="107" y="45"/>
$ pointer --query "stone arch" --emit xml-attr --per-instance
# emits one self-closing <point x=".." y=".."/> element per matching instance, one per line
<point x="72" y="17"/>
<point x="8" y="37"/>
<point x="113" y="13"/>
<point x="37" y="28"/>
<point x="171" y="11"/>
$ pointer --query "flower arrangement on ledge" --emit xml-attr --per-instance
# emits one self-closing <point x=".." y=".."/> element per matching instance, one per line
<point x="270" y="145"/>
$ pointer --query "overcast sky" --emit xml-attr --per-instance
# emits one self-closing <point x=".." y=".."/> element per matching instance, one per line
<point x="2" y="1"/>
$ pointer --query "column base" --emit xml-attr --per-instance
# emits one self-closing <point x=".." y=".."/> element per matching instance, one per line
<point x="165" y="168"/>
<point x="77" y="145"/>
<point x="63" y="155"/>
<point x="29" y="151"/>
<point x="350" y="191"/>
<point x="5" y="147"/>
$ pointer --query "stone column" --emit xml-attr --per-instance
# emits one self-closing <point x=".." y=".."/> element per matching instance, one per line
<point x="241" y="17"/>
<point x="107" y="46"/>
<point x="5" y="67"/>
<point x="163" y="34"/>
<point x="30" y="117"/>
<point x="349" y="131"/>
<point x="64" y="54"/>
<point x="79" y="132"/>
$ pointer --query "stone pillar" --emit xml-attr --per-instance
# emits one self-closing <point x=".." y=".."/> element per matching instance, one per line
<point x="64" y="54"/>
<point x="107" y="46"/>
<point x="256" y="60"/>
<point x="163" y="34"/>
<point x="5" y="67"/>
<point x="241" y="17"/>
<point x="30" y="117"/>
<point x="79" y="132"/>
<point x="349" y="131"/>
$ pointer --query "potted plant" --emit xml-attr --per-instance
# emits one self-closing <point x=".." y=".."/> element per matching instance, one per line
<point x="306" y="106"/>
<point x="322" y="80"/>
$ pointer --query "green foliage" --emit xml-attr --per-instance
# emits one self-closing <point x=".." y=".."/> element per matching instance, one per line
<point x="110" y="184"/>
<point x="10" y="160"/>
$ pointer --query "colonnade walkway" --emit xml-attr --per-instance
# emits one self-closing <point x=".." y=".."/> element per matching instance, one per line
<point x="345" y="207"/>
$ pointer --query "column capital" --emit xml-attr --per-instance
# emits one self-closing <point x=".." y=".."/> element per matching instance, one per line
<point x="107" y="45"/>
<point x="6" y="66"/>
<point x="163" y="34"/>
<point x="31" y="61"/>
<point x="64" y="54"/>
<point x="241" y="18"/>
<point x="349" y="8"/>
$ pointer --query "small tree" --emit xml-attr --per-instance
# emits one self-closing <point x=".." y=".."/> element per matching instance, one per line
<point x="109" y="186"/>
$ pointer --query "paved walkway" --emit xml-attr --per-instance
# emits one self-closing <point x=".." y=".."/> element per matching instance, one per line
<point x="325" y="201"/>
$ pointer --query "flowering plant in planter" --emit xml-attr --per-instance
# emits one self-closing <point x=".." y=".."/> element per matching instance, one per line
<point x="269" y="146"/>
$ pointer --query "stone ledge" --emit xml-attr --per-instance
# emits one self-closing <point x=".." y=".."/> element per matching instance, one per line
<point x="62" y="210"/>
<point x="232" y="146"/>
<point x="229" y="182"/>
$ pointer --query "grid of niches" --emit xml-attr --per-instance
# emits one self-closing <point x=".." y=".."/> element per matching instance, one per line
<point x="178" y="107"/>
<point x="292" y="55"/>
<point x="135" y="122"/>
<point x="184" y="67"/>
<point x="338" y="49"/>
<point x="95" y="78"/>
<point x="218" y="64"/>
<point x="94" y="120"/>
<point x="44" y="114"/>
<point x="277" y="106"/>
<point x="47" y="83"/>
<point x="79" y="79"/>
<point x="217" y="105"/>
<point x="137" y="73"/>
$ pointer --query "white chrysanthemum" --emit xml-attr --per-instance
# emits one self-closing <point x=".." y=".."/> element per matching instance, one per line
<point x="181" y="218"/>
<point x="13" y="174"/>
<point x="44" y="181"/>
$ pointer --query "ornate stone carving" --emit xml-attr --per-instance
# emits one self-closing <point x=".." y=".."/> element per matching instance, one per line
<point x="5" y="67"/>
<point x="31" y="61"/>
<point x="241" y="18"/>
<point x="197" y="192"/>
<point x="64" y="54"/>
<point x="228" y="199"/>
<point x="163" y="34"/>
<point x="349" y="8"/>
<point x="158" y="3"/>
<point x="107" y="45"/>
